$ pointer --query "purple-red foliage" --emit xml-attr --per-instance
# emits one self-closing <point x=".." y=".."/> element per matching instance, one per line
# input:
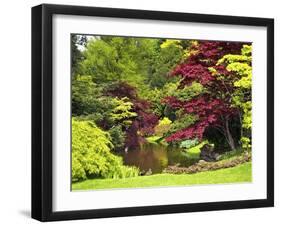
<point x="208" y="53"/>
<point x="145" y="120"/>
<point x="194" y="131"/>
<point x="190" y="73"/>
<point x="122" y="89"/>
<point x="213" y="107"/>
<point x="132" y="138"/>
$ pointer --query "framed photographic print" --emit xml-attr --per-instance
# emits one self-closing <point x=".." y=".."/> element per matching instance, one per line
<point x="146" y="112"/>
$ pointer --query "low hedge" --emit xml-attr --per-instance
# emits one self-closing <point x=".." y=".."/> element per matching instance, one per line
<point x="202" y="165"/>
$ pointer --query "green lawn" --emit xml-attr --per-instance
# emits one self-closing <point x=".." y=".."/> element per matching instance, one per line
<point x="240" y="173"/>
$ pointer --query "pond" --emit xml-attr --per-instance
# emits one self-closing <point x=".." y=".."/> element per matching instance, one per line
<point x="156" y="157"/>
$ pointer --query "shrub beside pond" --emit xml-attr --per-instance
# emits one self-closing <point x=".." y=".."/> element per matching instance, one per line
<point x="91" y="154"/>
<point x="206" y="166"/>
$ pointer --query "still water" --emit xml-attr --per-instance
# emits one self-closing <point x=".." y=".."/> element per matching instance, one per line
<point x="156" y="157"/>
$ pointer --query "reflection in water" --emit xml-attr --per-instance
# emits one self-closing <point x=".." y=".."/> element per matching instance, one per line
<point x="156" y="157"/>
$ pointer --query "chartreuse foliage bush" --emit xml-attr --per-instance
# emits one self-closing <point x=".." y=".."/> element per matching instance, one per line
<point x="182" y="121"/>
<point x="189" y="92"/>
<point x="91" y="155"/>
<point x="164" y="121"/>
<point x="171" y="42"/>
<point x="156" y="96"/>
<point x="163" y="126"/>
<point x="189" y="143"/>
<point x="241" y="66"/>
<point x="122" y="111"/>
<point x="246" y="143"/>
<point x="197" y="147"/>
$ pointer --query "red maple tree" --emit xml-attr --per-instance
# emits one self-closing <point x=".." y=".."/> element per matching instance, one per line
<point x="213" y="107"/>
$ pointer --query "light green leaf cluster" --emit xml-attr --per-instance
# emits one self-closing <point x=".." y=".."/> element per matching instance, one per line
<point x="190" y="50"/>
<point x="183" y="121"/>
<point x="156" y="95"/>
<point x="171" y="42"/>
<point x="244" y="71"/>
<point x="188" y="92"/>
<point x="123" y="111"/>
<point x="230" y="58"/>
<point x="213" y="71"/>
<point x="164" y="121"/>
<point x="197" y="147"/>
<point x="99" y="60"/>
<point x="246" y="143"/>
<point x="189" y="143"/>
<point x="247" y="114"/>
<point x="244" y="82"/>
<point x="91" y="155"/>
<point x="163" y="126"/>
<point x="240" y="65"/>
<point x="246" y="50"/>
<point x="110" y="59"/>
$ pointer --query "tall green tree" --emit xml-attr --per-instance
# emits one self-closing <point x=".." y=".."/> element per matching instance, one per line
<point x="76" y="54"/>
<point x="241" y="67"/>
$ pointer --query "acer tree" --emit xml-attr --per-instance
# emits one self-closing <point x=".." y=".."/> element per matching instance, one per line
<point x="144" y="119"/>
<point x="214" y="106"/>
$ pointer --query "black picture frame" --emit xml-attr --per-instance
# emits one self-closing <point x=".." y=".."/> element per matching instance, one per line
<point x="42" y="111"/>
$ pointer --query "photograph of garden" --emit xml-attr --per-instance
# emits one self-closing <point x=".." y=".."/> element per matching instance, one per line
<point x="157" y="112"/>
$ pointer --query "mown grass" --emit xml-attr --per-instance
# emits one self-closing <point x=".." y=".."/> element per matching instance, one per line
<point x="238" y="174"/>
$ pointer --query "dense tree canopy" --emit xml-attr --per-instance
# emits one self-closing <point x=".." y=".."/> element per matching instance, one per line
<point x="115" y="69"/>
<point x="214" y="106"/>
<point x="183" y="92"/>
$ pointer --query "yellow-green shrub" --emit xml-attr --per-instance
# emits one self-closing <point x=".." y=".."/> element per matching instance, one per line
<point x="91" y="155"/>
<point x="163" y="126"/>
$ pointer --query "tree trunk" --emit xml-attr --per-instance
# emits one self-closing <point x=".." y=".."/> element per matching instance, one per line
<point x="229" y="136"/>
<point x="241" y="124"/>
